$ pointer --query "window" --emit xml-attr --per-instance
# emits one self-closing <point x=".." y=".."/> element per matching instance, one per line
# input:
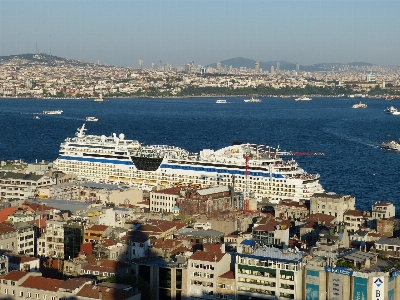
<point x="21" y="294"/>
<point x="5" y="291"/>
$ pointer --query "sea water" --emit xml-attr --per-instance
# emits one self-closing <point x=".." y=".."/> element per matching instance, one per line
<point x="350" y="138"/>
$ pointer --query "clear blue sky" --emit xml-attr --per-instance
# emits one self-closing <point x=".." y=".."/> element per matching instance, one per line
<point x="118" y="32"/>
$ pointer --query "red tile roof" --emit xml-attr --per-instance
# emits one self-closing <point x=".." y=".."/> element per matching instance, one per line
<point x="207" y="256"/>
<point x="382" y="203"/>
<point x="228" y="275"/>
<point x="42" y="283"/>
<point x="272" y="224"/>
<point x="107" y="293"/>
<point x="354" y="212"/>
<point x="73" y="283"/>
<point x="6" y="212"/>
<point x="6" y="227"/>
<point x="15" y="275"/>
<point x="180" y="250"/>
<point x="166" y="244"/>
<point x="318" y="217"/>
<point x="169" y="191"/>
<point x="96" y="227"/>
<point x="36" y="206"/>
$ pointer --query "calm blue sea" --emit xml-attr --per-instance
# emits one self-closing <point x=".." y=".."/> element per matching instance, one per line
<point x="350" y="138"/>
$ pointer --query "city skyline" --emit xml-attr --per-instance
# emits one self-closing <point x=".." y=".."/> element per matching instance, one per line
<point x="121" y="33"/>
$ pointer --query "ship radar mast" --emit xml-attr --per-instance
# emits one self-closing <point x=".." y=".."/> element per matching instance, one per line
<point x="81" y="131"/>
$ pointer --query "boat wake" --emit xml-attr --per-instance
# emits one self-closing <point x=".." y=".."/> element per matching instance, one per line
<point x="358" y="140"/>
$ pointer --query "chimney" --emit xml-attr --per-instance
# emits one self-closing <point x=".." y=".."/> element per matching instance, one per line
<point x="100" y="295"/>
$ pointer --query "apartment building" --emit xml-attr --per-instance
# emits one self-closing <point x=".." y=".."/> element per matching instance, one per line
<point x="269" y="273"/>
<point x="96" y="233"/>
<point x="26" y="237"/>
<point x="203" y="270"/>
<point x="23" y="263"/>
<point x="325" y="281"/>
<point x="73" y="239"/>
<point x="273" y="233"/>
<point x="226" y="286"/>
<point x="292" y="210"/>
<point x="355" y="219"/>
<point x="331" y="204"/>
<point x="383" y="210"/>
<point x="8" y="237"/>
<point x="20" y="285"/>
<point x="54" y="239"/>
<point x="138" y="244"/>
<point x="166" y="280"/>
<point x="22" y="186"/>
<point x="164" y="200"/>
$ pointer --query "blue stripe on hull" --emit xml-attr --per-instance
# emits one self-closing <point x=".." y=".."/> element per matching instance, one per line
<point x="218" y="170"/>
<point x="97" y="160"/>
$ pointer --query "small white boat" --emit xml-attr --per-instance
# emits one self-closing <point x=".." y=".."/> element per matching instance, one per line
<point x="391" y="145"/>
<point x="92" y="119"/>
<point x="252" y="100"/>
<point x="100" y="99"/>
<point x="392" y="111"/>
<point x="221" y="101"/>
<point x="360" y="105"/>
<point x="303" y="98"/>
<point x="36" y="117"/>
<point x="52" y="112"/>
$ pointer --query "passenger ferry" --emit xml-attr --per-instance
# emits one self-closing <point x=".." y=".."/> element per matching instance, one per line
<point x="252" y="100"/>
<point x="91" y="119"/>
<point x="360" y="105"/>
<point x="250" y="168"/>
<point x="392" y="111"/>
<point x="221" y="101"/>
<point x="52" y="112"/>
<point x="303" y="98"/>
<point x="391" y="145"/>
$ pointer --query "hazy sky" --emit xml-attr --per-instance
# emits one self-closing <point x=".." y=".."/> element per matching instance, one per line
<point x="117" y="32"/>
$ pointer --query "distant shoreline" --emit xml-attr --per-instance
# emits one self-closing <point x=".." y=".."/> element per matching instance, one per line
<point x="190" y="97"/>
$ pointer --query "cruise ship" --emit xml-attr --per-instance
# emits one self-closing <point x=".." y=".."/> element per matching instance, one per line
<point x="248" y="168"/>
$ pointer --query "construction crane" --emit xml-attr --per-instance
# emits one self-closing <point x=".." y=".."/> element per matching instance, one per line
<point x="297" y="153"/>
<point x="246" y="176"/>
<point x="246" y="191"/>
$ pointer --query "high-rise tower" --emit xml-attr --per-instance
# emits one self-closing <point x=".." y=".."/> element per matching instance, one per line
<point x="257" y="66"/>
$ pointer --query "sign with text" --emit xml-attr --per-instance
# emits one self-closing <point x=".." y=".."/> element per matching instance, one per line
<point x="391" y="289"/>
<point x="339" y="270"/>
<point x="312" y="291"/>
<point x="378" y="288"/>
<point x="360" y="288"/>
<point x="336" y="286"/>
